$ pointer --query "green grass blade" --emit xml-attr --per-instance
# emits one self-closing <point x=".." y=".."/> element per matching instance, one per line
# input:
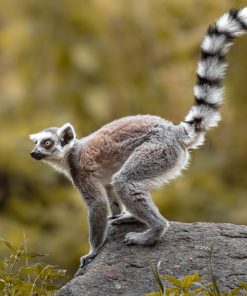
<point x="155" y="271"/>
<point x="212" y="276"/>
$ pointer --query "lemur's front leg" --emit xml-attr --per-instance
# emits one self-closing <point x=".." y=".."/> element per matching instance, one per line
<point x="96" y="201"/>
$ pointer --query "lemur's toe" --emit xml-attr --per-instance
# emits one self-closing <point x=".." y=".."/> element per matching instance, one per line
<point x="130" y="239"/>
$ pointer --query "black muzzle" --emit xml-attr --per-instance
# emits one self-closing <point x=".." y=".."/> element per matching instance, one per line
<point x="37" y="155"/>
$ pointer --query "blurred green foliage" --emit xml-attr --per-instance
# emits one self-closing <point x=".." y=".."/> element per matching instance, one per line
<point x="20" y="277"/>
<point x="89" y="62"/>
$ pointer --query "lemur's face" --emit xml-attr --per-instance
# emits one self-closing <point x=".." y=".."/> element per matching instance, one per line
<point x="52" y="143"/>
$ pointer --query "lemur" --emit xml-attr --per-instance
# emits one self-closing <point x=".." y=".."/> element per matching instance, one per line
<point x="117" y="166"/>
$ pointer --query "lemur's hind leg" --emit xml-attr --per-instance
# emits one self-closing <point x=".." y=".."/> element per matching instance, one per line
<point x="132" y="183"/>
<point x="114" y="203"/>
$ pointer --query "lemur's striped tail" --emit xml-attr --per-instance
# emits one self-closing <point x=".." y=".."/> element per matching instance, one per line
<point x="211" y="68"/>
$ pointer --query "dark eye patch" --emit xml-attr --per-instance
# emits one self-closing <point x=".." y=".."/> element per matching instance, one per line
<point x="47" y="143"/>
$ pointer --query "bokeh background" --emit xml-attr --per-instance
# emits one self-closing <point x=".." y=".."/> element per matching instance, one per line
<point x="89" y="62"/>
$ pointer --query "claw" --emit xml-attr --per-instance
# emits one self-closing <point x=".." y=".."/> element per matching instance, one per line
<point x="127" y="241"/>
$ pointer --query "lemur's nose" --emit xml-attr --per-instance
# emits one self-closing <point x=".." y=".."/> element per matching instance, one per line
<point x="32" y="153"/>
<point x="37" y="155"/>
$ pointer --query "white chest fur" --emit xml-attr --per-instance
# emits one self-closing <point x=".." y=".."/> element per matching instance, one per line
<point x="61" y="166"/>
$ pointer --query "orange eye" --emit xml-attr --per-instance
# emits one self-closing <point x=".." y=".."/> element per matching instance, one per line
<point x="47" y="143"/>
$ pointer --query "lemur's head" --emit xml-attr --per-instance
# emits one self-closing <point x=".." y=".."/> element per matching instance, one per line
<point x="53" y="143"/>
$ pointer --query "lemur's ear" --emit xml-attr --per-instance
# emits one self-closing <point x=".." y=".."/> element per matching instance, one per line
<point x="33" y="138"/>
<point x="66" y="134"/>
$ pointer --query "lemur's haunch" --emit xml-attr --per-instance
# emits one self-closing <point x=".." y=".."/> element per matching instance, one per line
<point x="121" y="162"/>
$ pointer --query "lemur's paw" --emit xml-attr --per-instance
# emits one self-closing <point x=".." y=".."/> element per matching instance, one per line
<point x="146" y="238"/>
<point x="133" y="238"/>
<point x="120" y="215"/>
<point x="84" y="260"/>
<point x="113" y="217"/>
<point x="124" y="220"/>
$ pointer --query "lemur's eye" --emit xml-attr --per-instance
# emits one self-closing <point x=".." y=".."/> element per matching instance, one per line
<point x="47" y="143"/>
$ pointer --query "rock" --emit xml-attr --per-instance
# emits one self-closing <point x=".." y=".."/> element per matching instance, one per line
<point x="125" y="270"/>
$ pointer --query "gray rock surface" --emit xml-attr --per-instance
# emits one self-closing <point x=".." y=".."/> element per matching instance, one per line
<point x="125" y="270"/>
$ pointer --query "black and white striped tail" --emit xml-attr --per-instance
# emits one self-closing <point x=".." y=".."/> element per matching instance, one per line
<point x="211" y="68"/>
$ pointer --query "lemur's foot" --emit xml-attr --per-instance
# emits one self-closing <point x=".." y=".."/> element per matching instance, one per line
<point x="122" y="214"/>
<point x="123" y="218"/>
<point x="139" y="238"/>
<point x="146" y="238"/>
<point x="84" y="260"/>
<point x="113" y="217"/>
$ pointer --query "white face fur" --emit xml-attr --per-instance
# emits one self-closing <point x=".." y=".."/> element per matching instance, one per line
<point x="53" y="143"/>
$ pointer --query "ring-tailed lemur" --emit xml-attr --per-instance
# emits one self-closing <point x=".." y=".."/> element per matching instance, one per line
<point x="125" y="159"/>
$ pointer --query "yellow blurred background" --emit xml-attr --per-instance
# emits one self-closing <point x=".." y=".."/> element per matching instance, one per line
<point x="89" y="62"/>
